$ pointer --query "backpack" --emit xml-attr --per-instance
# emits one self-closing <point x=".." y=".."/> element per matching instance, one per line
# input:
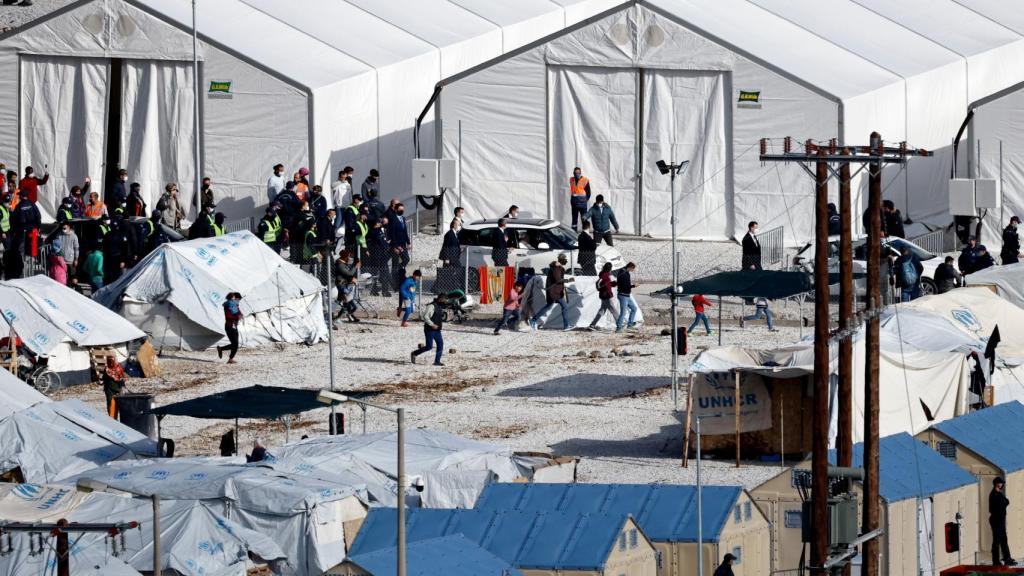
<point x="910" y="276"/>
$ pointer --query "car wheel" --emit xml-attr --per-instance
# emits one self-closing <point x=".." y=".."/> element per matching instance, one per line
<point x="928" y="287"/>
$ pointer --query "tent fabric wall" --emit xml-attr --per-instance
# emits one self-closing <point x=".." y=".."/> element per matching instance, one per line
<point x="63" y="100"/>
<point x="996" y="144"/>
<point x="157" y="123"/>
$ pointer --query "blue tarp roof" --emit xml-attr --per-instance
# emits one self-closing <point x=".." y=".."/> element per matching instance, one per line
<point x="993" y="433"/>
<point x="665" y="512"/>
<point x="545" y="540"/>
<point x="903" y="475"/>
<point x="449" y="555"/>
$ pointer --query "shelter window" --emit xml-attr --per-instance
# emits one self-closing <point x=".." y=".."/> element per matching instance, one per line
<point x="633" y="538"/>
<point x="747" y="511"/>
<point x="737" y="514"/>
<point x="947" y="449"/>
<point x="622" y="541"/>
<point x="737" y="552"/>
<point x="794" y="519"/>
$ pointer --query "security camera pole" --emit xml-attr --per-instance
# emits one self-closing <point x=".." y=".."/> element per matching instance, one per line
<point x="672" y="170"/>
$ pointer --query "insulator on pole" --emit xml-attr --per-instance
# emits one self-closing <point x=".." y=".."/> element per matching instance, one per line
<point x="809" y="146"/>
<point x="764" y="146"/>
<point x="832" y="146"/>
<point x="787" y="144"/>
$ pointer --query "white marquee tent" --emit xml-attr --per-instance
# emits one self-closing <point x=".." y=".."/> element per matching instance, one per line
<point x="661" y="79"/>
<point x="56" y="322"/>
<point x="176" y="294"/>
<point x="336" y="83"/>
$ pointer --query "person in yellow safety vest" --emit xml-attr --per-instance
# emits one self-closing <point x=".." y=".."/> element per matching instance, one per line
<point x="268" y="228"/>
<point x="579" y="190"/>
<point x="218" y="224"/>
<point x="309" y="251"/>
<point x="362" y="230"/>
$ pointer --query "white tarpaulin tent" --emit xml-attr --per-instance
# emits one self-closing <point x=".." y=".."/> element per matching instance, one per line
<point x="1008" y="281"/>
<point x="59" y="323"/>
<point x="582" y="297"/>
<point x="306" y="517"/>
<point x="15" y="395"/>
<point x="331" y="99"/>
<point x="194" y="539"/>
<point x="976" y="312"/>
<point x="176" y="294"/>
<point x="936" y="384"/>
<point x="662" y="79"/>
<point x="453" y="470"/>
<point x="52" y="441"/>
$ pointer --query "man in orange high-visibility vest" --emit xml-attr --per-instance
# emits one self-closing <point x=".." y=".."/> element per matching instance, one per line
<point x="579" y="195"/>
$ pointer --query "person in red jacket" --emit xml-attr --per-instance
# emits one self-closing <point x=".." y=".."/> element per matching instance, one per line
<point x="604" y="291"/>
<point x="699" y="302"/>
<point x="30" y="183"/>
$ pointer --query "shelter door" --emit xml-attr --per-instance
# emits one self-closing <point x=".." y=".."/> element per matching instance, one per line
<point x="684" y="120"/>
<point x="594" y="126"/>
<point x="925" y="538"/>
<point x="63" y="101"/>
<point x="157" y="127"/>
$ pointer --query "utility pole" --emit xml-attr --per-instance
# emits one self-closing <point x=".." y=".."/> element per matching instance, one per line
<point x="333" y="427"/>
<point x="844" y="440"/>
<point x="63" y="551"/>
<point x="819" y="444"/>
<point x="869" y="564"/>
<point x="875" y="156"/>
<point x="60" y="531"/>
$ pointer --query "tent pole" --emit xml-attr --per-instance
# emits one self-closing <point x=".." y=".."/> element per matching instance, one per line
<point x="401" y="492"/>
<point x="157" y="564"/>
<point x="195" y="85"/>
<point x="331" y="428"/>
<point x="719" y="320"/>
<point x="237" y="439"/>
<point x="782" y="430"/>
<point x="700" y="511"/>
<point x="736" y="410"/>
<point x="689" y="416"/>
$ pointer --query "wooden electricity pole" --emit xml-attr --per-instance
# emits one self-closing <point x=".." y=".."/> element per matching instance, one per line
<point x="869" y="565"/>
<point x="819" y="444"/>
<point x="844" y="440"/>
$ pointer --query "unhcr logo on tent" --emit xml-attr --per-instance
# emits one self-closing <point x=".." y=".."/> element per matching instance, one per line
<point x="10" y="315"/>
<point x="214" y="297"/>
<point x="78" y="326"/>
<point x="211" y="548"/>
<point x="40" y="339"/>
<point x="28" y="492"/>
<point x="967" y="318"/>
<point x="51" y="303"/>
<point x="54" y="499"/>
<point x="159" y="474"/>
<point x="205" y="255"/>
<point x="122" y="475"/>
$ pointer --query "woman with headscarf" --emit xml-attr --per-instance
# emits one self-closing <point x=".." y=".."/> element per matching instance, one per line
<point x="113" y="384"/>
<point x="232" y="316"/>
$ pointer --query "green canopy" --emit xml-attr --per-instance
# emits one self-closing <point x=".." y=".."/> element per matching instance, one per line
<point x="772" y="284"/>
<point x="257" y="401"/>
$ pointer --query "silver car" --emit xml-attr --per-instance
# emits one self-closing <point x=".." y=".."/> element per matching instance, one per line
<point x="539" y="242"/>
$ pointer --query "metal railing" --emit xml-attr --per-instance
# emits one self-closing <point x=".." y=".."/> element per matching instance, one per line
<point x="933" y="241"/>
<point x="773" y="247"/>
<point x="243" y="224"/>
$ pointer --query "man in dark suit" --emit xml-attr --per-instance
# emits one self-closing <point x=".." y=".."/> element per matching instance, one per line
<point x="499" y="253"/>
<point x="751" y="248"/>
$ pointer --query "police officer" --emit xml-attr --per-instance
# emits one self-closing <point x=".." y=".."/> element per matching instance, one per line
<point x="1011" y="242"/>
<point x="203" y="227"/>
<point x="268" y="228"/>
<point x="117" y="250"/>
<point x="25" y="223"/>
<point x="834" y="222"/>
<point x="218" y="224"/>
<point x="997" y="505"/>
<point x="65" y="211"/>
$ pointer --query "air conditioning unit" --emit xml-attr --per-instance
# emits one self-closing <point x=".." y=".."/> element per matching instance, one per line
<point x="961" y="197"/>
<point x="425" y="177"/>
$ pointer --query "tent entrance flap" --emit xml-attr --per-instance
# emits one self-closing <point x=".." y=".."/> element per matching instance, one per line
<point x="112" y="154"/>
<point x="63" y="107"/>
<point x="616" y="123"/>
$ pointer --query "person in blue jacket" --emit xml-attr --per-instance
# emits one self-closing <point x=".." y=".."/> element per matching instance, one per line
<point x="407" y="296"/>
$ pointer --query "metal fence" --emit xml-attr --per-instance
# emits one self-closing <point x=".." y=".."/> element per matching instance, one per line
<point x="934" y="241"/>
<point x="243" y="224"/>
<point x="773" y="247"/>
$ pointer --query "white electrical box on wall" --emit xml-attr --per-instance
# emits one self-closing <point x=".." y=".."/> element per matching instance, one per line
<point x="447" y="177"/>
<point x="424" y="177"/>
<point x="987" y="194"/>
<point x="961" y="197"/>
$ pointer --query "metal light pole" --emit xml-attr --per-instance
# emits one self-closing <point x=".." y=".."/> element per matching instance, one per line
<point x="195" y="112"/>
<point x="672" y="169"/>
<point x="333" y="428"/>
<point x="330" y="397"/>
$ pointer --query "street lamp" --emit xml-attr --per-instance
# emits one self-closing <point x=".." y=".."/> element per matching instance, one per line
<point x="329" y="397"/>
<point x="673" y="170"/>
<point x="700" y="502"/>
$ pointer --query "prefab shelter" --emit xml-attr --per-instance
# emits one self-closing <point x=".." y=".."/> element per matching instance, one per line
<point x="686" y="80"/>
<point x="312" y="521"/>
<point x="983" y="443"/>
<point x="194" y="539"/>
<point x="667" y="514"/>
<point x="61" y="324"/>
<point x="449" y="555"/>
<point x="109" y="83"/>
<point x="53" y="441"/>
<point x="176" y="294"/>
<point x="920" y="492"/>
<point x="537" y="543"/>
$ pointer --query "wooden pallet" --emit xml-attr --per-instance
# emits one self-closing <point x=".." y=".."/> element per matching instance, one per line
<point x="9" y="354"/>
<point x="98" y="359"/>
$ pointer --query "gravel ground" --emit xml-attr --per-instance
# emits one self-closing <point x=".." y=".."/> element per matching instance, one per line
<point x="534" y="391"/>
<point x="14" y="16"/>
